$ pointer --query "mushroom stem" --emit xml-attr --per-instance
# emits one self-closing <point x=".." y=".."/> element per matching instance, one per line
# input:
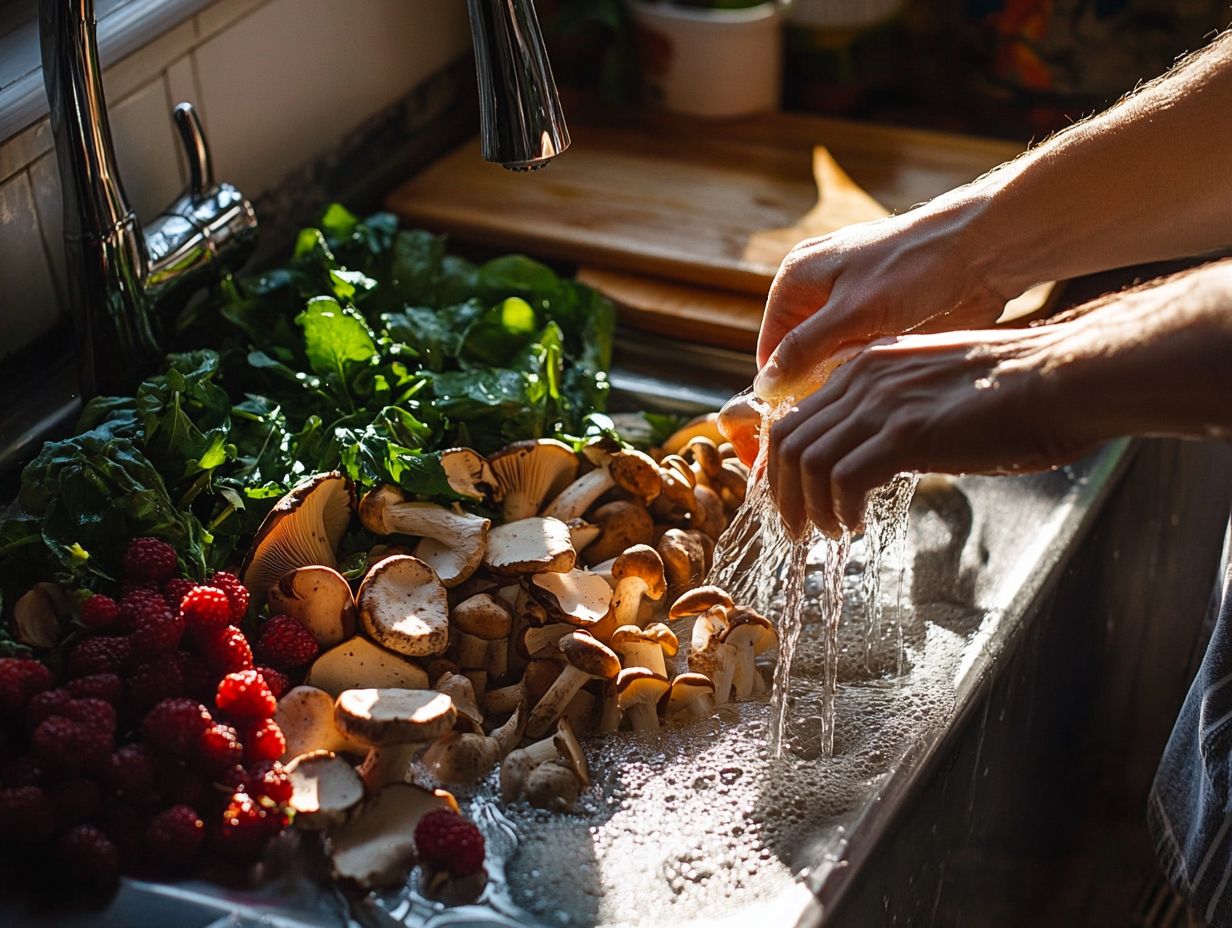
<point x="743" y="671"/>
<point x="505" y="699"/>
<point x="555" y="700"/>
<point x="610" y="714"/>
<point x="645" y="654"/>
<point x="576" y="498"/>
<point x="723" y="678"/>
<point x="472" y="651"/>
<point x="508" y="735"/>
<point x="388" y="763"/>
<point x="626" y="601"/>
<point x="541" y="751"/>
<point x="496" y="662"/>
<point x="643" y="717"/>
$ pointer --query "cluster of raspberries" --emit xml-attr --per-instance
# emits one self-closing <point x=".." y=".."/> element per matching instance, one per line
<point x="158" y="740"/>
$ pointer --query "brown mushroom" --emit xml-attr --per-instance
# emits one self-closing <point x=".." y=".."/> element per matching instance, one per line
<point x="452" y="542"/>
<point x="638" y="692"/>
<point x="638" y="572"/>
<point x="404" y="606"/>
<point x="530" y="472"/>
<point x="708" y="654"/>
<point x="393" y="724"/>
<point x="477" y="622"/>
<point x="320" y="599"/>
<point x="632" y="471"/>
<point x="750" y="633"/>
<point x="698" y="600"/>
<point x="683" y="561"/>
<point x="691" y="694"/>
<point x="623" y="523"/>
<point x="645" y="647"/>
<point x="586" y="659"/>
<point x="530" y="546"/>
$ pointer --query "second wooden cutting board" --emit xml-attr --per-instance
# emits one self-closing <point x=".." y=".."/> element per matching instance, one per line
<point x="696" y="202"/>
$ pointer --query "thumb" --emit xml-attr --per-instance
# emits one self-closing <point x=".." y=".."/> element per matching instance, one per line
<point x="803" y="361"/>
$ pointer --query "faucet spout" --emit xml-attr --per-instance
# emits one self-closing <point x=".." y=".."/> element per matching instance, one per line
<point x="521" y="121"/>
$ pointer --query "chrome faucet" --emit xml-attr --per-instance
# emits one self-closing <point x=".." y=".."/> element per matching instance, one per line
<point x="121" y="277"/>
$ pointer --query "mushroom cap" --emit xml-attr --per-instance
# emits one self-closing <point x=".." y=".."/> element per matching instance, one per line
<point x="320" y="599"/>
<point x="305" y="527"/>
<point x="747" y="626"/>
<point x="324" y="788"/>
<point x="530" y="546"/>
<point x="623" y="523"/>
<point x="458" y="758"/>
<point x="698" y="600"/>
<point x="638" y="685"/>
<point x="664" y="637"/>
<point x="454" y="565"/>
<point x="643" y="562"/>
<point x="683" y="558"/>
<point x="374" y="508"/>
<point x="404" y="606"/>
<point x="589" y="655"/>
<point x="705" y="453"/>
<point x="528" y="472"/>
<point x="377" y="846"/>
<point x="552" y="785"/>
<point x="484" y="616"/>
<point x="469" y="475"/>
<point x="358" y="662"/>
<point x="571" y="752"/>
<point x="705" y="425"/>
<point x="389" y="716"/>
<point x="685" y="689"/>
<point x="462" y="692"/>
<point x="656" y="633"/>
<point x="637" y="473"/>
<point x="576" y="596"/>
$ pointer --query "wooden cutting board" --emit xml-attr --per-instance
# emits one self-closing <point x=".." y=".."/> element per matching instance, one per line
<point x="686" y="201"/>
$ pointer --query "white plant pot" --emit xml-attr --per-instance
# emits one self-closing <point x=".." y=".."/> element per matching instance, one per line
<point x="718" y="64"/>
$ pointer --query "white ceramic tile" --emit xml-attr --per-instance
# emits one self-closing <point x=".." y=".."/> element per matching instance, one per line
<point x="289" y="81"/>
<point x="217" y="16"/>
<point x="29" y="298"/>
<point x="45" y="179"/>
<point x="20" y="151"/>
<point x="134" y="72"/>
<point x="145" y="147"/>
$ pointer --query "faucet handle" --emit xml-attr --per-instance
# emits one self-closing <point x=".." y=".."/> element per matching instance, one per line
<point x="200" y="167"/>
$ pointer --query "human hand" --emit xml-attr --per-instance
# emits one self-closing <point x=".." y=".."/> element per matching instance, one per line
<point x="740" y="423"/>
<point x="910" y="273"/>
<point x="968" y="402"/>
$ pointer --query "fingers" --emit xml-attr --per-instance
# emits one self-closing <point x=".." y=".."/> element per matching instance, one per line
<point x="863" y="470"/>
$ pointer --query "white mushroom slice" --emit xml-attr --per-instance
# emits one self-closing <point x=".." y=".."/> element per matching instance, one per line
<point x="376" y="847"/>
<point x="553" y="786"/>
<point x="708" y="655"/>
<point x="577" y="596"/>
<point x="638" y="572"/>
<point x="306" y="716"/>
<point x="586" y="659"/>
<point x="623" y="524"/>
<point x="750" y="633"/>
<point x="358" y="662"/>
<point x="691" y="694"/>
<point x="638" y="692"/>
<point x="529" y="472"/>
<point x="469" y="475"/>
<point x="648" y="647"/>
<point x="320" y="599"/>
<point x="37" y="613"/>
<point x="392" y="723"/>
<point x="632" y="471"/>
<point x="304" y="528"/>
<point x="404" y="606"/>
<point x="530" y="546"/>
<point x="453" y="542"/>
<point x="324" y="790"/>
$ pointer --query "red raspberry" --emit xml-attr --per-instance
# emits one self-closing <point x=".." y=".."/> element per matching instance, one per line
<point x="125" y="825"/>
<point x="105" y="686"/>
<point x="175" y="726"/>
<point x="46" y="704"/>
<point x="198" y="679"/>
<point x="77" y="801"/>
<point x="247" y="824"/>
<point x="175" y="590"/>
<point x="135" y="604"/>
<point x="182" y="782"/>
<point x="269" y="778"/>
<point x="263" y="740"/>
<point x="150" y="559"/>
<point x="153" y="682"/>
<point x="234" y="778"/>
<point x="173" y="839"/>
<point x="27" y="815"/>
<point x="99" y="612"/>
<point x="157" y="632"/>
<point x="95" y="714"/>
<point x="21" y="771"/>
<point x="20" y="679"/>
<point x="276" y="680"/>
<point x="60" y="744"/>
<point x="89" y="858"/>
<point x="286" y="644"/>
<point x="245" y="695"/>
<point x="205" y="607"/>
<point x="130" y="771"/>
<point x="225" y="650"/>
<point x="220" y="748"/>
<point x="237" y="593"/>
<point x="450" y="842"/>
<point x="99" y="655"/>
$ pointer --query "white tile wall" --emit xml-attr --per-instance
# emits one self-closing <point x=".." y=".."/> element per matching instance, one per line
<point x="278" y="83"/>
<point x="28" y="304"/>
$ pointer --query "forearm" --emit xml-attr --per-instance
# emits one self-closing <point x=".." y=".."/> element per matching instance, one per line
<point x="1151" y="361"/>
<point x="1147" y="180"/>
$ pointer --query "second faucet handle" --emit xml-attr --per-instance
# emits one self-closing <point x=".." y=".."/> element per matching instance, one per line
<point x="200" y="167"/>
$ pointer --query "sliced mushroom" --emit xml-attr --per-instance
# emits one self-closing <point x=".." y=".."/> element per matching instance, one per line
<point x="624" y="524"/>
<point x="690" y="694"/>
<point x="586" y="659"/>
<point x="453" y="543"/>
<point x="750" y="633"/>
<point x="708" y="654"/>
<point x="632" y="471"/>
<point x="477" y="622"/>
<point x="530" y="546"/>
<point x="305" y="527"/>
<point x="306" y="716"/>
<point x="638" y="692"/>
<point x="324" y="790"/>
<point x="393" y="724"/>
<point x="404" y="606"/>
<point x="638" y="572"/>
<point x="530" y="472"/>
<point x="320" y="599"/>
<point x="645" y="647"/>
<point x="358" y="662"/>
<point x="376" y="847"/>
<point x="576" y="596"/>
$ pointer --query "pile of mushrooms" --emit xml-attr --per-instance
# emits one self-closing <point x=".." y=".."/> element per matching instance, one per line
<point x="537" y="628"/>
